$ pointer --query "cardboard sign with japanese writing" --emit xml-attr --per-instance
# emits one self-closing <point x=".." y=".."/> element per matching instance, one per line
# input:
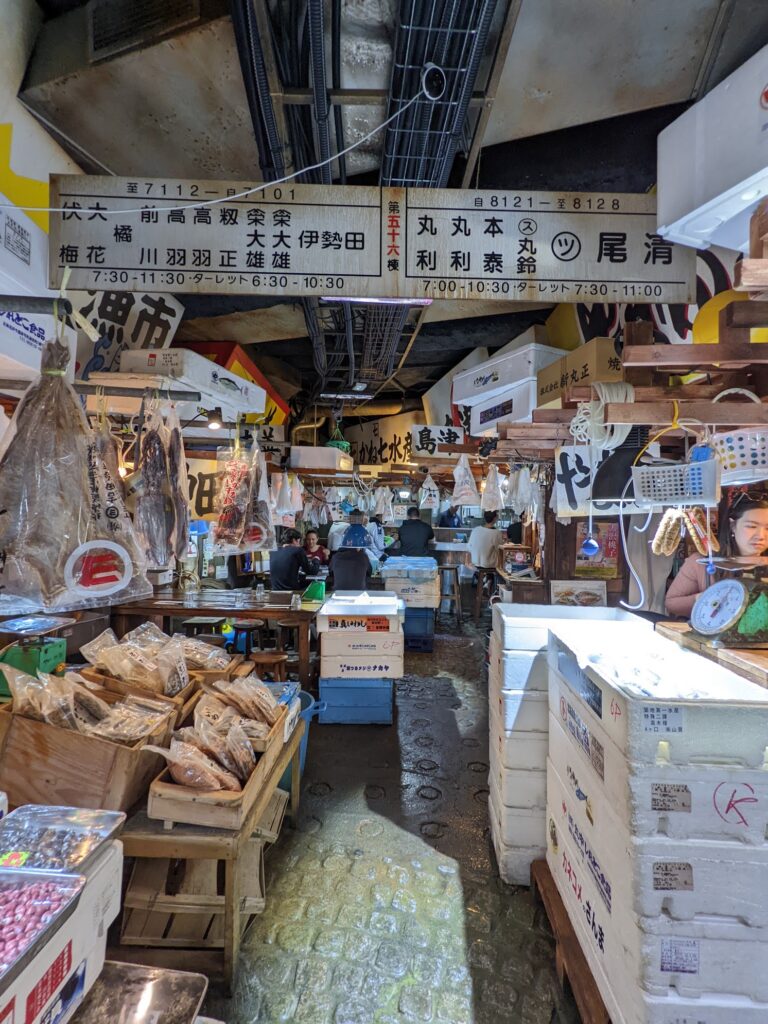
<point x="426" y="440"/>
<point x="362" y="241"/>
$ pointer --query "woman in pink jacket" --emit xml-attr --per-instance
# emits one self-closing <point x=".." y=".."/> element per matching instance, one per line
<point x="743" y="533"/>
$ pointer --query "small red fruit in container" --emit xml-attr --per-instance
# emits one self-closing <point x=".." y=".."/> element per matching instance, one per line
<point x="32" y="905"/>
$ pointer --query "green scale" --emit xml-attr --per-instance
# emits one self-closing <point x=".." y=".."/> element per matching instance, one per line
<point x="734" y="612"/>
<point x="29" y="648"/>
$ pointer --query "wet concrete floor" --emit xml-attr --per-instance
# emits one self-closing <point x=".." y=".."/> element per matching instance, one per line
<point x="385" y="906"/>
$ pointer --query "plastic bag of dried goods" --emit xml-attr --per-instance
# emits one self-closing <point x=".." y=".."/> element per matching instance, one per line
<point x="148" y="636"/>
<point x="250" y="697"/>
<point x="172" y="667"/>
<point x="50" y="465"/>
<point x="199" y="654"/>
<point x="192" y="768"/>
<point x="48" y="700"/>
<point x="233" y="496"/>
<point x="155" y="517"/>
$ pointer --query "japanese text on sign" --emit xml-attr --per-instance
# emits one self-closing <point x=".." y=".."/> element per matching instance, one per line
<point x="361" y="241"/>
<point x="426" y="440"/>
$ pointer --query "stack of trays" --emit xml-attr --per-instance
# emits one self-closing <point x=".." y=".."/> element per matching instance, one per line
<point x="415" y="580"/>
<point x="657" y="807"/>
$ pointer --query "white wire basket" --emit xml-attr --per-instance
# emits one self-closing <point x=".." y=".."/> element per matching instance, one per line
<point x="685" y="483"/>
<point x="743" y="455"/>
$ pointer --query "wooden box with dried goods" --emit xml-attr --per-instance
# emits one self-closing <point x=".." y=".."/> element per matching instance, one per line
<point x="182" y="702"/>
<point x="237" y="666"/>
<point x="47" y="764"/>
<point x="170" y="802"/>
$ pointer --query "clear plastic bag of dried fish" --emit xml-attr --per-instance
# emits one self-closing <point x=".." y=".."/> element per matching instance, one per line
<point x="155" y="509"/>
<point x="245" y="518"/>
<point x="65" y="536"/>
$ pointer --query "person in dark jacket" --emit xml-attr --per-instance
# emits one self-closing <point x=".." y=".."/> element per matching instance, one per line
<point x="450" y="517"/>
<point x="351" y="566"/>
<point x="414" y="536"/>
<point x="288" y="563"/>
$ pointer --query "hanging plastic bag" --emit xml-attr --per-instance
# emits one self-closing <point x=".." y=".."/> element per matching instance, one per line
<point x="155" y="510"/>
<point x="492" y="500"/>
<point x="430" y="495"/>
<point x="465" y="489"/>
<point x="233" y="497"/>
<point x="283" y="504"/>
<point x="259" y="533"/>
<point x="66" y="538"/>
<point x="297" y="495"/>
<point x="179" y="483"/>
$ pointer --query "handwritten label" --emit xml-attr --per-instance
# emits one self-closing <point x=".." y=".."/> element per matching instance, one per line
<point x="662" y="718"/>
<point x="669" y="875"/>
<point x="679" y="956"/>
<point x="670" y="796"/>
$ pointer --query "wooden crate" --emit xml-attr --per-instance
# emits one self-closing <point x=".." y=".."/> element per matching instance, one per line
<point x="43" y="764"/>
<point x="234" y="668"/>
<point x="182" y="702"/>
<point x="171" y="803"/>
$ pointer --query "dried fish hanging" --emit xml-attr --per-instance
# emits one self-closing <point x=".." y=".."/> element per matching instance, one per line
<point x="179" y="483"/>
<point x="66" y="538"/>
<point x="258" y="533"/>
<point x="155" y="516"/>
<point x="233" y="497"/>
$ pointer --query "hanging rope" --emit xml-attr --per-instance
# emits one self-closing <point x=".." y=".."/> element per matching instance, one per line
<point x="588" y="426"/>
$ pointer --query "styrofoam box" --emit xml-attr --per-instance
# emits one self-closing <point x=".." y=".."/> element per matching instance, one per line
<point x="521" y="710"/>
<point x="658" y="953"/>
<point x="336" y="644"/>
<point x="355" y="611"/>
<point x="518" y="826"/>
<point x="679" y="801"/>
<point x="682" y="878"/>
<point x="320" y="457"/>
<point x="514" y="861"/>
<point x="518" y="787"/>
<point x="355" y="666"/>
<point x="625" y="1000"/>
<point x="517" y="670"/>
<point x="654" y="701"/>
<point x="525" y="627"/>
<point x="514" y="404"/>
<point x="518" y="750"/>
<point x="496" y="375"/>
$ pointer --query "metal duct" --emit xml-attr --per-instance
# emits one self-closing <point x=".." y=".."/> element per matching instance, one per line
<point x="301" y="427"/>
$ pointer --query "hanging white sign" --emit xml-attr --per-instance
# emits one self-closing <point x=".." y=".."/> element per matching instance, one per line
<point x="426" y="440"/>
<point x="575" y="466"/>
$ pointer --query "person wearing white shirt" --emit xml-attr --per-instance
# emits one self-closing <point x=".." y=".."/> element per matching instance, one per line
<point x="376" y="530"/>
<point x="484" y="543"/>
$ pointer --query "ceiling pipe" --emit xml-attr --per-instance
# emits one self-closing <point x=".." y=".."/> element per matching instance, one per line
<point x="301" y="427"/>
<point x="374" y="409"/>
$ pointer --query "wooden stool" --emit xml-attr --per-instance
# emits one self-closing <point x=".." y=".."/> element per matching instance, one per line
<point x="214" y="639"/>
<point x="202" y="624"/>
<point x="273" y="662"/>
<point x="284" y="628"/>
<point x="246" y="628"/>
<point x="483" y="575"/>
<point x="450" y="590"/>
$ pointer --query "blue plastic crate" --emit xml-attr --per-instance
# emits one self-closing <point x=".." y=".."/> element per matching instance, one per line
<point x="419" y="622"/>
<point x="423" y="644"/>
<point x="356" y="700"/>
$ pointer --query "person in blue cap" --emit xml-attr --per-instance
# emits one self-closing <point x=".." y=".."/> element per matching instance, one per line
<point x="351" y="566"/>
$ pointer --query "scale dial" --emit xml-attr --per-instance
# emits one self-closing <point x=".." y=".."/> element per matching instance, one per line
<point x="720" y="607"/>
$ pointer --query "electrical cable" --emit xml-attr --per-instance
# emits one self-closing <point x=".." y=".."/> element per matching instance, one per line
<point x="238" y="195"/>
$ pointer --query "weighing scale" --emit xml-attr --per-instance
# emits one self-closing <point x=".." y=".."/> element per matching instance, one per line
<point x="734" y="612"/>
<point x="31" y="650"/>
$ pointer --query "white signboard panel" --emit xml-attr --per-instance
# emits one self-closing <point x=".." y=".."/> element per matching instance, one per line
<point x="575" y="466"/>
<point x="362" y="241"/>
<point x="292" y="239"/>
<point x="384" y="441"/>
<point x="426" y="440"/>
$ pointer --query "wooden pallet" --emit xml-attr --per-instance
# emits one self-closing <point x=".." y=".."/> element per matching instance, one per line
<point x="571" y="964"/>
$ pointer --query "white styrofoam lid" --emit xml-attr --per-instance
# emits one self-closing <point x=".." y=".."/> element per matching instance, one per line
<point x="354" y="602"/>
<point x="648" y="666"/>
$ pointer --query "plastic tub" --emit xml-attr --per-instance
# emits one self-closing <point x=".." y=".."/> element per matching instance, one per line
<point x="309" y="708"/>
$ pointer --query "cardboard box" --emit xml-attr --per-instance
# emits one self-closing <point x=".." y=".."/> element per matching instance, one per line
<point x="587" y="364"/>
<point x="342" y="643"/>
<point x="355" y="666"/>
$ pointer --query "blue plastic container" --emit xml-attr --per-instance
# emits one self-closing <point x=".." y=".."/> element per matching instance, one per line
<point x="419" y="622"/>
<point x="309" y="708"/>
<point x="359" y="701"/>
<point x="423" y="644"/>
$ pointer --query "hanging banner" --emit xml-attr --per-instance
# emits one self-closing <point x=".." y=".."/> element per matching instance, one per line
<point x="363" y="241"/>
<point x="575" y="466"/>
<point x="426" y="440"/>
<point x="202" y="474"/>
<point x="384" y="441"/>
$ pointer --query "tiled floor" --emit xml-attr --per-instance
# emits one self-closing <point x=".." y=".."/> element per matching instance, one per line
<point x="385" y="907"/>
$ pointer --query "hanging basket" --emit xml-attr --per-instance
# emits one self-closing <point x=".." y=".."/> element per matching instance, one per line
<point x="337" y="441"/>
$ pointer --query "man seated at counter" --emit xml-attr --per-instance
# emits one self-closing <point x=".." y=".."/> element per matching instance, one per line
<point x="289" y="562"/>
<point x="415" y="536"/>
<point x="484" y="542"/>
<point x="351" y="566"/>
<point x="450" y="517"/>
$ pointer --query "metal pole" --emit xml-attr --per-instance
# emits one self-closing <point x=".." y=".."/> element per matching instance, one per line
<point x="83" y="388"/>
<point x="34" y="306"/>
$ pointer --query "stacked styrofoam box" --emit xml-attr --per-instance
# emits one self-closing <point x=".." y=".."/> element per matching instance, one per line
<point x="518" y="700"/>
<point x="657" y="808"/>
<point x="361" y="641"/>
<point x="414" y="580"/>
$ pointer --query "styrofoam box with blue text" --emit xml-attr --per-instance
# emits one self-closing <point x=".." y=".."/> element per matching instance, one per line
<point x="362" y="666"/>
<point x="526" y="627"/>
<point x="353" y="611"/>
<point x="711" y="802"/>
<point x="655" y="699"/>
<point x="680" y="974"/>
<point x="682" y="878"/>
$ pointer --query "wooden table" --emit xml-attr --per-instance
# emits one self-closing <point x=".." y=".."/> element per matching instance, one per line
<point x="751" y="663"/>
<point x="146" y="838"/>
<point x="181" y="604"/>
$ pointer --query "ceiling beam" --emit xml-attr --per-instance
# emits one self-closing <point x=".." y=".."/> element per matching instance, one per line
<point x="293" y="96"/>
<point x="499" y="60"/>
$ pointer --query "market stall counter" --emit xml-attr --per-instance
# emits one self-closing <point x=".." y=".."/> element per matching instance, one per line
<point x="245" y="605"/>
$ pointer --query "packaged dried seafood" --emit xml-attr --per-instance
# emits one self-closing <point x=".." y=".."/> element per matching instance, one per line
<point x="250" y="697"/>
<point x="179" y="483"/>
<point x="199" y="654"/>
<point x="155" y="512"/>
<point x="192" y="768"/>
<point x="148" y="636"/>
<point x="49" y="460"/>
<point x="233" y="497"/>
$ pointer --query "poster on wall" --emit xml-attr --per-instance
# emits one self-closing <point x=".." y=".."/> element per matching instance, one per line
<point x="578" y="593"/>
<point x="604" y="565"/>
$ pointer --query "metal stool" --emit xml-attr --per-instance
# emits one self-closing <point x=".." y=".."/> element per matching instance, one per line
<point x="482" y="576"/>
<point x="273" y="662"/>
<point x="450" y="590"/>
<point x="246" y="628"/>
<point x="289" y="628"/>
<point x="203" y="624"/>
